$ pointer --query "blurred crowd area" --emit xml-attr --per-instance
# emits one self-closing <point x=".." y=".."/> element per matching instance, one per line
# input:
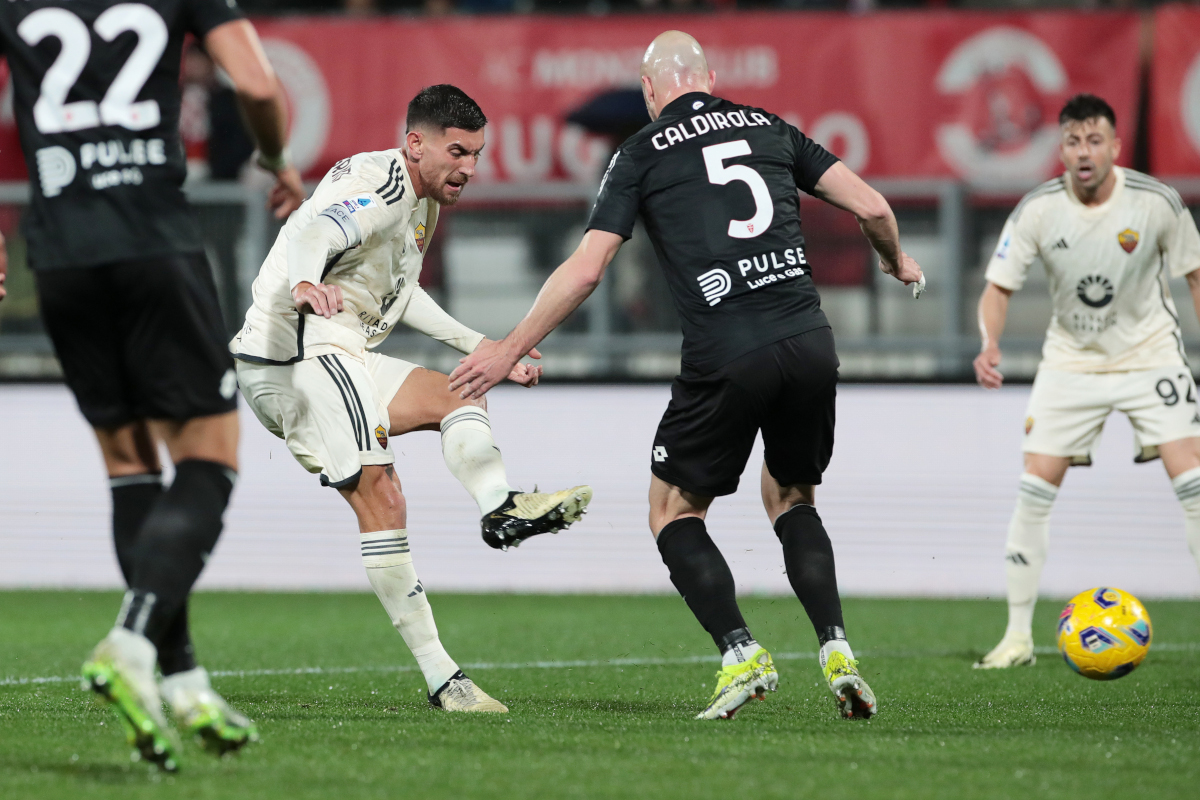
<point x="444" y="7"/>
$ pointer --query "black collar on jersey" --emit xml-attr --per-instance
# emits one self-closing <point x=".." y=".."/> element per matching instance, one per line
<point x="683" y="104"/>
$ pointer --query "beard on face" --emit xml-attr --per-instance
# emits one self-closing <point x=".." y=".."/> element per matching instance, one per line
<point x="438" y="191"/>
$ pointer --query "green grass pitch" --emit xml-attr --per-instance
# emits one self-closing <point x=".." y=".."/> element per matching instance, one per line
<point x="614" y="720"/>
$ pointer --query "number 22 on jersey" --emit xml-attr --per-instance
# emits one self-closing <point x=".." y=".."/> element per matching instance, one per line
<point x="52" y="113"/>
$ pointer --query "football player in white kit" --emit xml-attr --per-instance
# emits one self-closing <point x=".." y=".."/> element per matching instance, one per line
<point x="1109" y="238"/>
<point x="340" y="277"/>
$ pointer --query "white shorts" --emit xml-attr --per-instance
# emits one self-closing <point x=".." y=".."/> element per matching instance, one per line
<point x="1067" y="410"/>
<point x="331" y="410"/>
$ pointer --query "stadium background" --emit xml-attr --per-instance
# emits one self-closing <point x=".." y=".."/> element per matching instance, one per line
<point x="950" y="112"/>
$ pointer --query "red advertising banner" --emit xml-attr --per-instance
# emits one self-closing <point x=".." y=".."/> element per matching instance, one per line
<point x="1175" y="92"/>
<point x="921" y="94"/>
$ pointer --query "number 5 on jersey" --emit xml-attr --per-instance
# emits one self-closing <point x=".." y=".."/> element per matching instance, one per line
<point x="718" y="173"/>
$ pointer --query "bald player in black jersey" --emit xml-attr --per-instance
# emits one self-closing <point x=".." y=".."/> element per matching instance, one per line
<point x="128" y="299"/>
<point x="715" y="183"/>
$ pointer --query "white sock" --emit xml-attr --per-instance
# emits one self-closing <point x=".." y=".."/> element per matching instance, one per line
<point x="1187" y="489"/>
<point x="739" y="653"/>
<point x="835" y="646"/>
<point x="389" y="569"/>
<point x="1025" y="551"/>
<point x="472" y="456"/>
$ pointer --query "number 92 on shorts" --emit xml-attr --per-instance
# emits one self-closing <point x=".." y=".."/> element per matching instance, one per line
<point x="1067" y="410"/>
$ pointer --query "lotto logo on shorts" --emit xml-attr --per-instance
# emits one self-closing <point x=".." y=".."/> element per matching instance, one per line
<point x="660" y="453"/>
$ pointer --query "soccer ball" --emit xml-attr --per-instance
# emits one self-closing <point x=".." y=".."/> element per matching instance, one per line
<point x="1104" y="633"/>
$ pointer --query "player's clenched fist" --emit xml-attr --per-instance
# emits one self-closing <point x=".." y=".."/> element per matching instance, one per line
<point x="321" y="298"/>
<point x="525" y="375"/>
<point x="985" y="368"/>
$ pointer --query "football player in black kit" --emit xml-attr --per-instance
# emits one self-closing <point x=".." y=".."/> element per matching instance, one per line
<point x="715" y="183"/>
<point x="128" y="299"/>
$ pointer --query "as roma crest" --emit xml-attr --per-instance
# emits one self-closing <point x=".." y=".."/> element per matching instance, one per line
<point x="381" y="436"/>
<point x="1128" y="240"/>
<point x="419" y="235"/>
<point x="1028" y="425"/>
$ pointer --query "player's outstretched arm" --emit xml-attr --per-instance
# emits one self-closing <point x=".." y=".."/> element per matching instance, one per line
<point x="993" y="310"/>
<point x="563" y="292"/>
<point x="235" y="48"/>
<point x="842" y="188"/>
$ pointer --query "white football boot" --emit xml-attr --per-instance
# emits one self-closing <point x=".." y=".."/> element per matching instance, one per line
<point x="202" y="712"/>
<point x="461" y="694"/>
<point x="121" y="671"/>
<point x="526" y="514"/>
<point x="1014" y="650"/>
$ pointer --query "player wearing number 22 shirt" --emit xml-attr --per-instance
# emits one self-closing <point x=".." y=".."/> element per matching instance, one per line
<point x="1109" y="239"/>
<point x="131" y="307"/>
<point x="716" y="185"/>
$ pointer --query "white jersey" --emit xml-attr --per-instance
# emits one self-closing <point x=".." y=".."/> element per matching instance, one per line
<point x="373" y="194"/>
<point x="1108" y="267"/>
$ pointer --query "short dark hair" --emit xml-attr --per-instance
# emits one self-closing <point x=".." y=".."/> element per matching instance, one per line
<point x="1083" y="107"/>
<point x="444" y="106"/>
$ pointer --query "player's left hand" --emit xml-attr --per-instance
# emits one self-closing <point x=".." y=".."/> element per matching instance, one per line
<point x="490" y="363"/>
<point x="526" y="375"/>
<point x="287" y="194"/>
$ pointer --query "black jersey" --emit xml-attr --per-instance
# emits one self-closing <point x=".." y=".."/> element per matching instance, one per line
<point x="715" y="183"/>
<point x="96" y="97"/>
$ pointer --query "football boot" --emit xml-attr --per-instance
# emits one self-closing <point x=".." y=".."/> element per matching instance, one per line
<point x="121" y="671"/>
<point x="738" y="684"/>
<point x="1014" y="650"/>
<point x="854" y="698"/>
<point x="461" y="694"/>
<point x="526" y="514"/>
<point x="217" y="726"/>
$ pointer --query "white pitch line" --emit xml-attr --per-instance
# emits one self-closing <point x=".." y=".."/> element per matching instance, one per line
<point x="1171" y="647"/>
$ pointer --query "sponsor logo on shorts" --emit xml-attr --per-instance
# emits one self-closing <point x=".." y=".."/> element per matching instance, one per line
<point x="419" y="235"/>
<point x="1028" y="425"/>
<point x="381" y="436"/>
<point x="660" y="453"/>
<point x="1128" y="239"/>
<point x="1095" y="290"/>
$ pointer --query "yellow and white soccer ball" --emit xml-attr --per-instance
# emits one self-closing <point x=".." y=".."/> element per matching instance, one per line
<point x="1104" y="633"/>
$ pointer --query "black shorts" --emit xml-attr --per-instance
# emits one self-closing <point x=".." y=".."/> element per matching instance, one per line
<point x="786" y="389"/>
<point x="140" y="339"/>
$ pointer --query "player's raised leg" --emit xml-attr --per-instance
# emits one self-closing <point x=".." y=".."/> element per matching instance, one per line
<point x="1024" y="556"/>
<point x="1182" y="461"/>
<point x="509" y="516"/>
<point x="382" y="517"/>
<point x="808" y="558"/>
<point x="702" y="576"/>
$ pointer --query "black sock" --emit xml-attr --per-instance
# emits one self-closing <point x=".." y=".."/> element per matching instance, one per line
<point x="701" y="575"/>
<point x="174" y="543"/>
<point x="132" y="498"/>
<point x="808" y="556"/>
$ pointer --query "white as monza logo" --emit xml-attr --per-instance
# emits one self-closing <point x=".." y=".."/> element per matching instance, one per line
<point x="1190" y="103"/>
<point x="1003" y="139"/>
<point x="715" y="284"/>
